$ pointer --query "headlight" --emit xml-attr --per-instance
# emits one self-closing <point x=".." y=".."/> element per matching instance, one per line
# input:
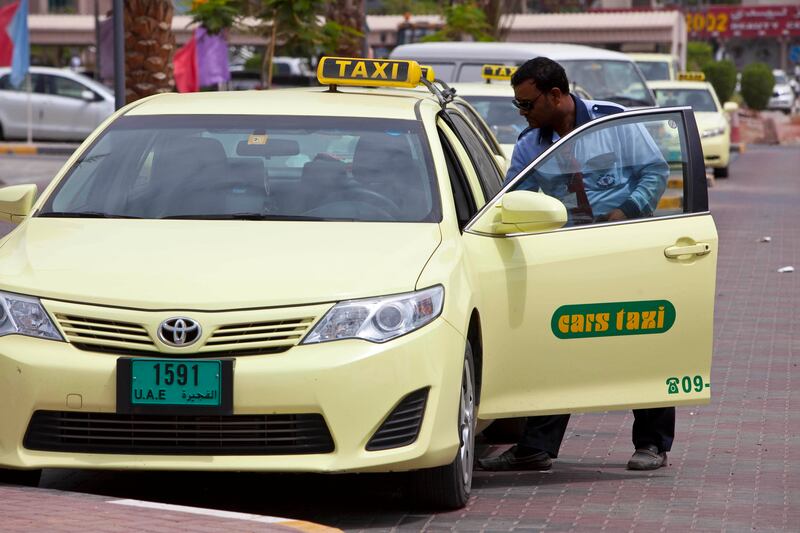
<point x="712" y="132"/>
<point x="24" y="315"/>
<point x="378" y="319"/>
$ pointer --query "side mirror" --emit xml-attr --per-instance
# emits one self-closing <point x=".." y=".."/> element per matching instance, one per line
<point x="88" y="95"/>
<point x="16" y="202"/>
<point x="730" y="107"/>
<point x="523" y="212"/>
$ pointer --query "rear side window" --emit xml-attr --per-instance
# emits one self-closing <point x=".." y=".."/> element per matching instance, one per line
<point x="488" y="173"/>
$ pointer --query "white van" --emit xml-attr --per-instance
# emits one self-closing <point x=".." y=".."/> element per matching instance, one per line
<point x="604" y="74"/>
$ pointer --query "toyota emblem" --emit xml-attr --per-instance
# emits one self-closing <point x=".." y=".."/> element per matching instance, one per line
<point x="179" y="331"/>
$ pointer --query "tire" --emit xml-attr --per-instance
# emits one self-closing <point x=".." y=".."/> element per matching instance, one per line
<point x="28" y="478"/>
<point x="721" y="172"/>
<point x="449" y="486"/>
<point x="505" y="431"/>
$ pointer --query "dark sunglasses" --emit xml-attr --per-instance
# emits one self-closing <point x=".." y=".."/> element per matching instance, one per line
<point x="525" y="105"/>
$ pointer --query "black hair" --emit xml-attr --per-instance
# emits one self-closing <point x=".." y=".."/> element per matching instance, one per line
<point x="544" y="72"/>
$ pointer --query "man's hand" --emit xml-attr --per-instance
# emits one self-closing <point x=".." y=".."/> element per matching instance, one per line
<point x="616" y="214"/>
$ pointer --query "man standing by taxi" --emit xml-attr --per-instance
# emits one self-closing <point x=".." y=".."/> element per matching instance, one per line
<point x="542" y="95"/>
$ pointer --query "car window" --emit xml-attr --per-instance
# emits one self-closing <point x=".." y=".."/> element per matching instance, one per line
<point x="626" y="165"/>
<point x="470" y="72"/>
<point x="654" y="70"/>
<point x="501" y="116"/>
<point x="320" y="168"/>
<point x="615" y="81"/>
<point x="480" y="126"/>
<point x="61" y="86"/>
<point x="37" y="84"/>
<point x="444" y="71"/>
<point x="487" y="171"/>
<point x="463" y="198"/>
<point x="699" y="99"/>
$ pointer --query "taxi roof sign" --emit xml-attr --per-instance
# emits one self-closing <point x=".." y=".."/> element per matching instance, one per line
<point x="428" y="73"/>
<point x="368" y="72"/>
<point x="497" y="72"/>
<point x="691" y="76"/>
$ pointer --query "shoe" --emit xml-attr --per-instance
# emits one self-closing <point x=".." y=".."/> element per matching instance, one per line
<point x="647" y="458"/>
<point x="508" y="460"/>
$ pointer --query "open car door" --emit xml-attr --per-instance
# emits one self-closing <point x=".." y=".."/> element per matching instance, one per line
<point x="581" y="313"/>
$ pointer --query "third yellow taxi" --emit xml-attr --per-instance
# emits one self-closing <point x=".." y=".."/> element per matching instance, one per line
<point x="715" y="131"/>
<point x="333" y="279"/>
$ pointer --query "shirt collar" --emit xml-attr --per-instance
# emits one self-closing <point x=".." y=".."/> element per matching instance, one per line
<point x="582" y="116"/>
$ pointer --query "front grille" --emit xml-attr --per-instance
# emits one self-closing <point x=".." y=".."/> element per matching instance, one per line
<point x="402" y="426"/>
<point x="85" y="331"/>
<point x="137" y="434"/>
<point x="229" y="340"/>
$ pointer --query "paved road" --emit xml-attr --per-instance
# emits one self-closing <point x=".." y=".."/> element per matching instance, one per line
<point x="733" y="466"/>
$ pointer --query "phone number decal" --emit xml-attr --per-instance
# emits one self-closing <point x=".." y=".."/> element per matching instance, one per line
<point x="686" y="384"/>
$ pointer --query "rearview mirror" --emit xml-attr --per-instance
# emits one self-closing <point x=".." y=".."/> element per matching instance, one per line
<point x="263" y="146"/>
<point x="16" y="202"/>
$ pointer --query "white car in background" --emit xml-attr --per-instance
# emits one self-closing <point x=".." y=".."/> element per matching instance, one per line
<point x="65" y="106"/>
<point x="782" y="93"/>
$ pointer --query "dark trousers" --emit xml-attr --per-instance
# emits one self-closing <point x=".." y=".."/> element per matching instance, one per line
<point x="650" y="426"/>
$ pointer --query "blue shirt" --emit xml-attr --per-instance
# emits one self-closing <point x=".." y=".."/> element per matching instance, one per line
<point x="622" y="166"/>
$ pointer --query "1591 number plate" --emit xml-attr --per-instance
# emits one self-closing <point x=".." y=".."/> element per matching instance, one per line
<point x="170" y="382"/>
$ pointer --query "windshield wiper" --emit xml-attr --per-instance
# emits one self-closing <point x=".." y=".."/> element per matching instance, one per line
<point x="240" y="216"/>
<point x="81" y="214"/>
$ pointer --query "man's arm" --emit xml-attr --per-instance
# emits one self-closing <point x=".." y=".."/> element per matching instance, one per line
<point x="650" y="171"/>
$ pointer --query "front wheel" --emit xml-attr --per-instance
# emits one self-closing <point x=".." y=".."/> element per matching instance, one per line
<point x="449" y="486"/>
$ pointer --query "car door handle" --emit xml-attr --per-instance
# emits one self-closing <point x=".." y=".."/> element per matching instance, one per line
<point x="700" y="248"/>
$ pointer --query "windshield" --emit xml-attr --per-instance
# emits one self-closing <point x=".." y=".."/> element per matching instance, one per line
<point x="654" y="70"/>
<point x="780" y="79"/>
<point x="501" y="116"/>
<point x="700" y="100"/>
<point x="253" y="167"/>
<point x="614" y="81"/>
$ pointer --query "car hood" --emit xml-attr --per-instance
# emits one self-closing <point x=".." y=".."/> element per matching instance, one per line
<point x="210" y="265"/>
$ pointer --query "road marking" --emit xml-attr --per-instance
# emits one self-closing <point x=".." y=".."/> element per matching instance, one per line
<point x="294" y="524"/>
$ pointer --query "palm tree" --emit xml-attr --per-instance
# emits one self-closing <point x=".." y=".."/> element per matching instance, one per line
<point x="149" y="47"/>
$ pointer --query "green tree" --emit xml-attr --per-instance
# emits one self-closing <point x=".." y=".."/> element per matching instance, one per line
<point x="698" y="55"/>
<point x="757" y="84"/>
<point x="722" y="75"/>
<point x="214" y="15"/>
<point x="463" y="20"/>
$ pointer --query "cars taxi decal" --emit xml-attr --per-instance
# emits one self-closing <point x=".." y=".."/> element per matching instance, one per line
<point x="368" y="72"/>
<point x="612" y="319"/>
<point x="497" y="72"/>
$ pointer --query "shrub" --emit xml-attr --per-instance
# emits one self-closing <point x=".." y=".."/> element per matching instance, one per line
<point x="698" y="55"/>
<point x="757" y="84"/>
<point x="722" y="75"/>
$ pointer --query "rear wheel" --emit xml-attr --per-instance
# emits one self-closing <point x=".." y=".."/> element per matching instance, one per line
<point x="721" y="172"/>
<point x="449" y="486"/>
<point x="29" y="478"/>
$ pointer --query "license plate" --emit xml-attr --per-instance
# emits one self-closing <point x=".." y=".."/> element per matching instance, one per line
<point x="169" y="382"/>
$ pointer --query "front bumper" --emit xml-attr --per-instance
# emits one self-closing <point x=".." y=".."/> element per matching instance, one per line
<point x="353" y="384"/>
<point x="717" y="150"/>
<point x="781" y="102"/>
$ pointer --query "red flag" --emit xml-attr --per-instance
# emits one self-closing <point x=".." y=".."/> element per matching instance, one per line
<point x="185" y="68"/>
<point x="6" y="44"/>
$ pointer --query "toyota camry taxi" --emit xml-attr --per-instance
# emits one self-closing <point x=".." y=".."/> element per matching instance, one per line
<point x="331" y="279"/>
<point x="715" y="131"/>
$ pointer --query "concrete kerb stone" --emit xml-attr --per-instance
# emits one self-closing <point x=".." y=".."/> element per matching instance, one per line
<point x="37" y="149"/>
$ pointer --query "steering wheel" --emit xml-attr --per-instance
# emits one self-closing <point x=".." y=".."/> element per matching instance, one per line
<point x="358" y="193"/>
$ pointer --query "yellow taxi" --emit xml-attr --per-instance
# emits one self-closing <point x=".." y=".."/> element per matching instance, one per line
<point x="715" y="131"/>
<point x="332" y="279"/>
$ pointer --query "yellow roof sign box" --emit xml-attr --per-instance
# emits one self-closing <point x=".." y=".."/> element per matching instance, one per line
<point x="428" y="73"/>
<point x="368" y="72"/>
<point x="691" y="76"/>
<point x="497" y="72"/>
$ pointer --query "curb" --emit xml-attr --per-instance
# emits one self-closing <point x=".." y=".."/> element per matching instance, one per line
<point x="36" y="149"/>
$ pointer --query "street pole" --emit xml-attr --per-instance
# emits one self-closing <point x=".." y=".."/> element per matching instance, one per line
<point x="97" y="40"/>
<point x="119" y="54"/>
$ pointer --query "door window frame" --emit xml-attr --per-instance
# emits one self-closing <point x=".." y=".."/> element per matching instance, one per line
<point x="694" y="183"/>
